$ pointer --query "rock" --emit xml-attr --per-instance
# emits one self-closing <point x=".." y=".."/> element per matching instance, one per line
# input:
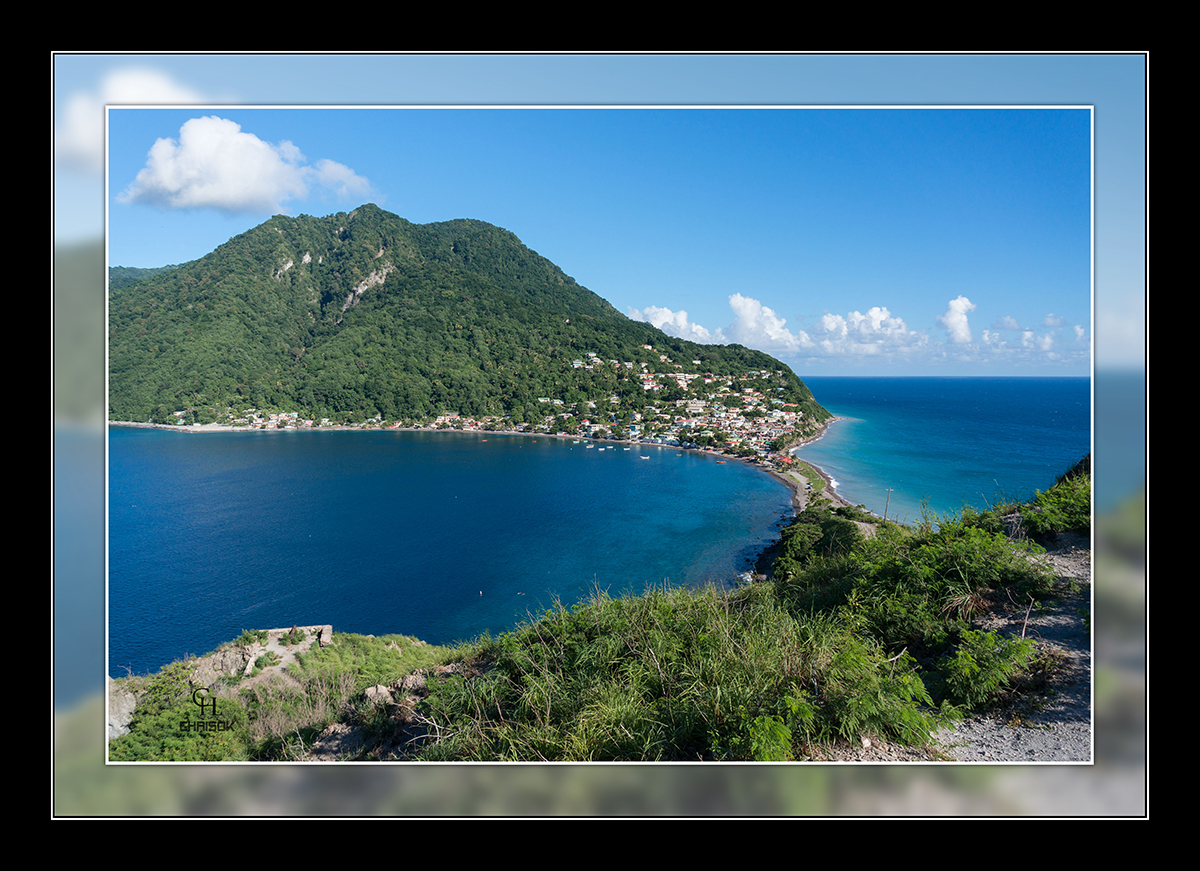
<point x="379" y="695"/>
<point x="226" y="662"/>
<point x="121" y="705"/>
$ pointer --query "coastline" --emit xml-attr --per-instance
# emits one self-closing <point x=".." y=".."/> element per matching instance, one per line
<point x="799" y="485"/>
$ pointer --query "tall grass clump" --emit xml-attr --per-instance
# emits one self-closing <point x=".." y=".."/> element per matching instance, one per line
<point x="369" y="659"/>
<point x="1065" y="507"/>
<point x="674" y="675"/>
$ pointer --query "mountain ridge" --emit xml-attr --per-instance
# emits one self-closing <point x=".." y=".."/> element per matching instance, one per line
<point x="365" y="314"/>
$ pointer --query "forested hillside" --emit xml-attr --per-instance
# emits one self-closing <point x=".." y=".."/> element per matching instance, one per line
<point x="365" y="314"/>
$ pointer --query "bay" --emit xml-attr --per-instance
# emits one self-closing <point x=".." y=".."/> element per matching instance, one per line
<point x="436" y="535"/>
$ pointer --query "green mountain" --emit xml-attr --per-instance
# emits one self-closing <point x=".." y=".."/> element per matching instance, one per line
<point x="360" y="314"/>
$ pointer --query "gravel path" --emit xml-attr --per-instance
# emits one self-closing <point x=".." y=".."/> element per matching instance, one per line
<point x="1050" y="723"/>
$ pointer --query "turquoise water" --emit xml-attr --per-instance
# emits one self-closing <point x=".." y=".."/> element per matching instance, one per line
<point x="943" y="443"/>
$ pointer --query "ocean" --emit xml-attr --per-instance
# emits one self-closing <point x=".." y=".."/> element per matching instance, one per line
<point x="445" y="535"/>
<point x="913" y="446"/>
<point x="436" y="535"/>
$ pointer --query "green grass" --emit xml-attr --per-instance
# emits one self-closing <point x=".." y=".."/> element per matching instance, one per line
<point x="674" y="675"/>
<point x="1065" y="507"/>
<point x="811" y="474"/>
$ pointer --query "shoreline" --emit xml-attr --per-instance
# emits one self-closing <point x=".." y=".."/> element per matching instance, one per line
<point x="797" y="481"/>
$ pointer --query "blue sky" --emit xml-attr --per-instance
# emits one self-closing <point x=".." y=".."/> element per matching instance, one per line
<point x="883" y="240"/>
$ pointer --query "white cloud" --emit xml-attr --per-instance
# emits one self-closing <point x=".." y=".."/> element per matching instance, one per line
<point x="1006" y="323"/>
<point x="757" y="326"/>
<point x="341" y="179"/>
<point x="955" y="320"/>
<point x="215" y="165"/>
<point x="1052" y="320"/>
<point x="676" y="324"/>
<point x="878" y="332"/>
<point x="79" y="136"/>
<point x="1039" y="343"/>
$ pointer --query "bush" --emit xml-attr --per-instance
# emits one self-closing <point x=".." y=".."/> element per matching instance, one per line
<point x="982" y="665"/>
<point x="916" y="589"/>
<point x="168" y="725"/>
<point x="251" y="637"/>
<point x="292" y="636"/>
<point x="1065" y="507"/>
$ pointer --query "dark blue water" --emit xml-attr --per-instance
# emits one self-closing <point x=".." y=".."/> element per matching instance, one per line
<point x="945" y="443"/>
<point x="443" y="535"/>
<point x="437" y="535"/>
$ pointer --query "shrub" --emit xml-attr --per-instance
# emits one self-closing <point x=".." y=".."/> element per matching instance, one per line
<point x="264" y="661"/>
<point x="168" y="726"/>
<point x="916" y="589"/>
<point x="292" y="636"/>
<point x="250" y="637"/>
<point x="982" y="665"/>
<point x="1065" y="507"/>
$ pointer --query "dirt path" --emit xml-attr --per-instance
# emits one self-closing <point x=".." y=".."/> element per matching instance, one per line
<point x="285" y="652"/>
<point x="1050" y="719"/>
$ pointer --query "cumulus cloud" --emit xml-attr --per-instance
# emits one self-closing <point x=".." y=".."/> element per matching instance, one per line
<point x="955" y="320"/>
<point x="79" y="135"/>
<point x="676" y="324"/>
<point x="1052" y="320"/>
<point x="754" y="326"/>
<point x="875" y="333"/>
<point x="341" y="179"/>
<point x="757" y="326"/>
<point x="215" y="165"/>
<point x="1038" y="343"/>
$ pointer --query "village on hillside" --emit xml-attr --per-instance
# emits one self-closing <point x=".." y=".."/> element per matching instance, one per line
<point x="736" y="415"/>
